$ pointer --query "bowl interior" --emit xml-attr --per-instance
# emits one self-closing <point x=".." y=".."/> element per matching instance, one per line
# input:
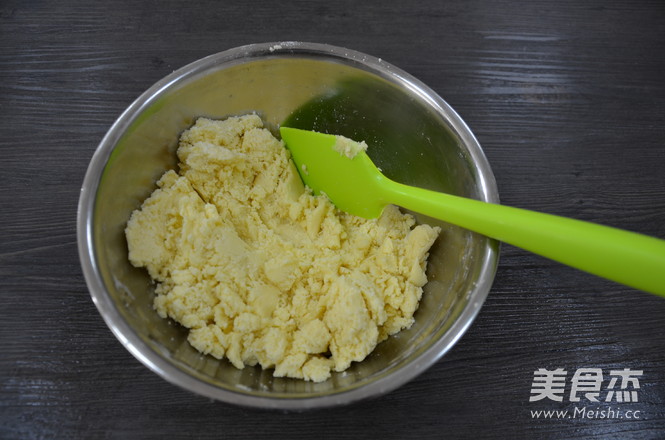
<point x="412" y="138"/>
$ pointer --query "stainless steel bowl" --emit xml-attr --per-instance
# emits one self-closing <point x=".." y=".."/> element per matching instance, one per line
<point x="414" y="136"/>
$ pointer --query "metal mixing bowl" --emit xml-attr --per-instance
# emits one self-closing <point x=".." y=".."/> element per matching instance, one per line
<point x="414" y="136"/>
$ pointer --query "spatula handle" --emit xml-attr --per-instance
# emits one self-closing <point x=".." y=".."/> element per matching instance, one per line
<point x="626" y="257"/>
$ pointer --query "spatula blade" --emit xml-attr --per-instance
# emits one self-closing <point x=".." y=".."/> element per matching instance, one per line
<point x="352" y="184"/>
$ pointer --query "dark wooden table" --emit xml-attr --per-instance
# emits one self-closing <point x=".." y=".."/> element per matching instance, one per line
<point x="567" y="99"/>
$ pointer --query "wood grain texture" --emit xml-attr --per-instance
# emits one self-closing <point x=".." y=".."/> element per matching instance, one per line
<point x="567" y="99"/>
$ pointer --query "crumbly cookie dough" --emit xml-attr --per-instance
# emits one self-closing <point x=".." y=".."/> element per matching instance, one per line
<point x="263" y="272"/>
<point x="349" y="147"/>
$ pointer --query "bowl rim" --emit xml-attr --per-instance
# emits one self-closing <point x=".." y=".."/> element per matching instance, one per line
<point x="168" y="371"/>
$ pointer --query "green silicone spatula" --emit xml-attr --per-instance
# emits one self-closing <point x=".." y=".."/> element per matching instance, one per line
<point x="355" y="185"/>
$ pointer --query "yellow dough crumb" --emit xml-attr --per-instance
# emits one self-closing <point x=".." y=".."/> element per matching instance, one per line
<point x="349" y="147"/>
<point x="263" y="272"/>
